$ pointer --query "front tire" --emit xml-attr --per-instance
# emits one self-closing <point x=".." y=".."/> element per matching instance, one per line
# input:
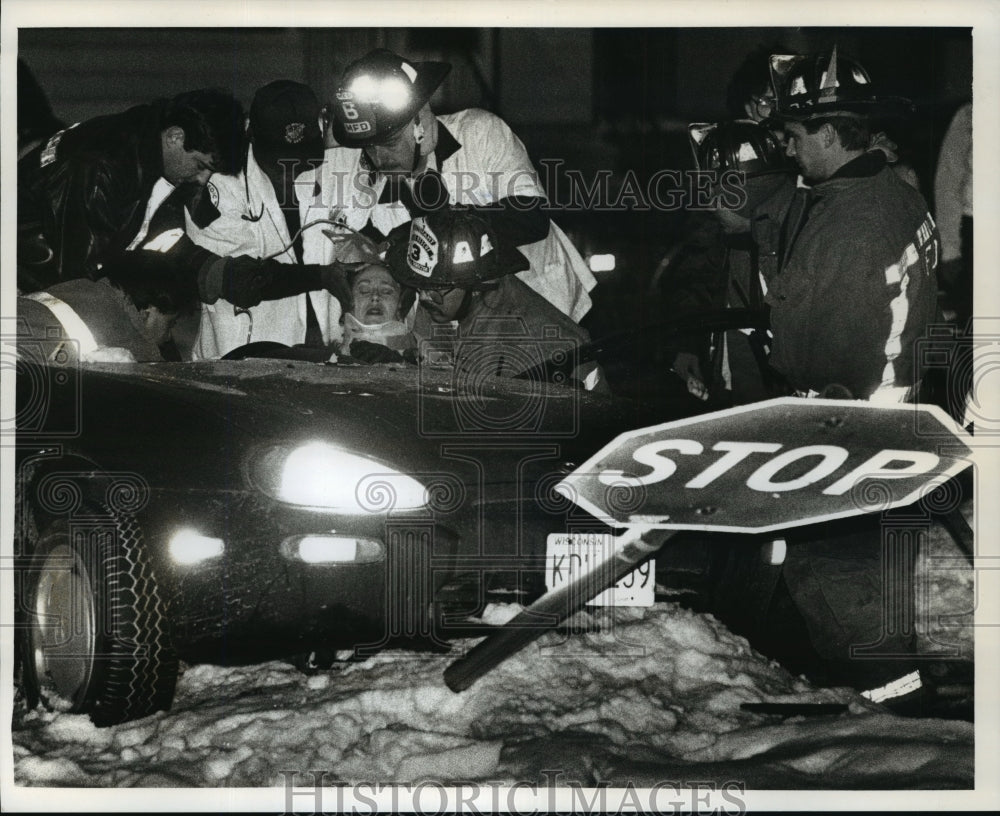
<point x="97" y="637"/>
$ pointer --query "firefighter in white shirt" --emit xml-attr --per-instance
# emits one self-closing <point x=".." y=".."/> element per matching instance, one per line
<point x="396" y="160"/>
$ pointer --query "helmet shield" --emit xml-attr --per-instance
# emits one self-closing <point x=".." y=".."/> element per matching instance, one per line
<point x="379" y="94"/>
<point x="451" y="248"/>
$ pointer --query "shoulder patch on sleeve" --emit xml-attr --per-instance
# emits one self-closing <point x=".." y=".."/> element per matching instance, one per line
<point x="206" y="210"/>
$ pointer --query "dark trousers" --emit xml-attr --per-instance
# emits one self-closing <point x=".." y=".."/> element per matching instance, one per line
<point x="853" y="582"/>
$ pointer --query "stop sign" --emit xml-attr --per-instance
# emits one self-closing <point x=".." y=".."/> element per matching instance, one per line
<point x="776" y="464"/>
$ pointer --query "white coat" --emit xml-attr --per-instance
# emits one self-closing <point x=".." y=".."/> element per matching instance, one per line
<point x="238" y="230"/>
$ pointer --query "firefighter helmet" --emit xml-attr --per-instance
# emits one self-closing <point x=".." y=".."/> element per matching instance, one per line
<point x="808" y="87"/>
<point x="451" y="248"/>
<point x="741" y="145"/>
<point x="379" y="94"/>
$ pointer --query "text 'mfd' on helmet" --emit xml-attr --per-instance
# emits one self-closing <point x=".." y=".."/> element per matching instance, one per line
<point x="380" y="94"/>
<point x="451" y="248"/>
<point x="741" y="145"/>
<point x="814" y="86"/>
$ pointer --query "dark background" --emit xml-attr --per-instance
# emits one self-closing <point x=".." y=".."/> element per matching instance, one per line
<point x="596" y="98"/>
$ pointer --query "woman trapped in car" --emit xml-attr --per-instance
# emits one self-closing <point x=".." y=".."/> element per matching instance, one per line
<point x="377" y="315"/>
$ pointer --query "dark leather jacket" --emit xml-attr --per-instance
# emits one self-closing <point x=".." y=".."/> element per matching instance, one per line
<point x="84" y="192"/>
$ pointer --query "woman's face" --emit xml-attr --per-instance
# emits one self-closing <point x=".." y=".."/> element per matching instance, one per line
<point x="376" y="296"/>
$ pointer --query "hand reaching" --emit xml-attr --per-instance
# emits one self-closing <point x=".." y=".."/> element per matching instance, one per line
<point x="686" y="367"/>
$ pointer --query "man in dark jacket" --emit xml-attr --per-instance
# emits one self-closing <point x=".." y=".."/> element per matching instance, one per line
<point x="728" y="261"/>
<point x="856" y="289"/>
<point x="858" y="283"/>
<point x="94" y="189"/>
<point x="129" y="181"/>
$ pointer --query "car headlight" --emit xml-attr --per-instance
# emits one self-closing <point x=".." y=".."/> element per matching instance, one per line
<point x="322" y="476"/>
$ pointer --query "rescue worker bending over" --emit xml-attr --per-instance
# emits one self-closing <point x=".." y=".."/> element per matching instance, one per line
<point x="129" y="181"/>
<point x="94" y="190"/>
<point x="125" y="316"/>
<point x="476" y="314"/>
<point x="396" y="160"/>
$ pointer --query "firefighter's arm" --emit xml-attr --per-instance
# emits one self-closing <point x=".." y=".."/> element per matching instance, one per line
<point x="687" y="367"/>
<point x="517" y="219"/>
<point x="499" y="182"/>
<point x="246" y="281"/>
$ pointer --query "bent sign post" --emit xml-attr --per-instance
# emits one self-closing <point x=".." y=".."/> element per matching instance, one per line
<point x="783" y="463"/>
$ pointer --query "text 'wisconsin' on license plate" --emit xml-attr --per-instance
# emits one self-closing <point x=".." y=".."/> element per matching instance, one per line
<point x="570" y="555"/>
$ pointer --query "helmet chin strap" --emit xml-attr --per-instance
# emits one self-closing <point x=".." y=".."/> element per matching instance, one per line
<point x="427" y="123"/>
<point x="417" y="158"/>
<point x="463" y="310"/>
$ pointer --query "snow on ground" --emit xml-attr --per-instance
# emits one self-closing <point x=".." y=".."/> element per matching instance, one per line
<point x="655" y="696"/>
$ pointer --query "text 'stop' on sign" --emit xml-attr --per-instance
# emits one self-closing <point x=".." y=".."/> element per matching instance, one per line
<point x="776" y="464"/>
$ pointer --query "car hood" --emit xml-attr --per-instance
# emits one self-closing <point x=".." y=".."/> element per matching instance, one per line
<point x="185" y="413"/>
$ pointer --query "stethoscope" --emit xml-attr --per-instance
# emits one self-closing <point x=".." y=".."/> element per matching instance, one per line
<point x="250" y="216"/>
<point x="253" y="219"/>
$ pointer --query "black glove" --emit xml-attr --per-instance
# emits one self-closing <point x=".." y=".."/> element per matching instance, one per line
<point x="244" y="280"/>
<point x="334" y="278"/>
<point x="286" y="280"/>
<point x="364" y="351"/>
<point x="240" y="280"/>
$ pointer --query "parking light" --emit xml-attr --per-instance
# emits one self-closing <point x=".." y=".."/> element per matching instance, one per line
<point x="187" y="546"/>
<point x="601" y="263"/>
<point x="330" y="548"/>
<point x="774" y="552"/>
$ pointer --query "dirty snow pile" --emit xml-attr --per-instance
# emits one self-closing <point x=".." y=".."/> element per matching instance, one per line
<point x="653" y="696"/>
<point x="597" y="707"/>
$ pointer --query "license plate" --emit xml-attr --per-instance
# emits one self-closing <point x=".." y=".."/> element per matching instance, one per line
<point x="570" y="555"/>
